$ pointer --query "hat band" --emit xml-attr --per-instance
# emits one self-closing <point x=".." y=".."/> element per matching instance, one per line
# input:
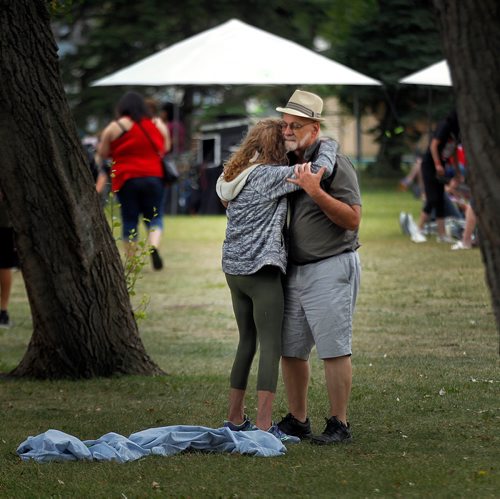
<point x="303" y="109"/>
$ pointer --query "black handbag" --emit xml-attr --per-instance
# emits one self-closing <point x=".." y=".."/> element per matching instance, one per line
<point x="170" y="172"/>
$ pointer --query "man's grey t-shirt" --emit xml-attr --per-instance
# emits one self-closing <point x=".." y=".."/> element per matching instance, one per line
<point x="312" y="235"/>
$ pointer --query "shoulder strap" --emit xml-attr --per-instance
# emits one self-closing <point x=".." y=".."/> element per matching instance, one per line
<point x="149" y="138"/>
<point x="123" y="129"/>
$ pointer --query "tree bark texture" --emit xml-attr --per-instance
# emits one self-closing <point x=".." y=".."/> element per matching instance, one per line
<point x="83" y="324"/>
<point x="471" y="41"/>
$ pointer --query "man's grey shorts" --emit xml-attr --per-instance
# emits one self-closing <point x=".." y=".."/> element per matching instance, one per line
<point x="319" y="304"/>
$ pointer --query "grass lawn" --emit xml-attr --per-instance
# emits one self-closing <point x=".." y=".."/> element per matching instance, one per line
<point x="425" y="400"/>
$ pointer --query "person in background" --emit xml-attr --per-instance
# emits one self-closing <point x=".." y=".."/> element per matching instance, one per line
<point x="442" y="147"/>
<point x="413" y="179"/>
<point x="154" y="113"/>
<point x="175" y="126"/>
<point x="323" y="275"/>
<point x="89" y="144"/>
<point x="468" y="239"/>
<point x="470" y="225"/>
<point x="136" y="144"/>
<point x="8" y="260"/>
<point x="254" y="260"/>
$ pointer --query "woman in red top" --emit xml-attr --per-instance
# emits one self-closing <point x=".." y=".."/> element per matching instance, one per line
<point x="134" y="143"/>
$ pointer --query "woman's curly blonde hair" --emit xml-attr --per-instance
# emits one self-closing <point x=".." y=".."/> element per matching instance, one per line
<point x="263" y="144"/>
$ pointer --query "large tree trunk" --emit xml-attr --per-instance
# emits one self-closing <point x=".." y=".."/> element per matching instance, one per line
<point x="82" y="318"/>
<point x="471" y="40"/>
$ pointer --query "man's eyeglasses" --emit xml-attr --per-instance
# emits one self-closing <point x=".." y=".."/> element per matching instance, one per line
<point x="294" y="125"/>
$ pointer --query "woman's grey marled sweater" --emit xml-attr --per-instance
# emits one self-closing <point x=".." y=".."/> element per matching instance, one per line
<point x="257" y="213"/>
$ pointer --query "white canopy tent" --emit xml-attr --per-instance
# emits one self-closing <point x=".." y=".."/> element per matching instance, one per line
<point x="436" y="74"/>
<point x="236" y="53"/>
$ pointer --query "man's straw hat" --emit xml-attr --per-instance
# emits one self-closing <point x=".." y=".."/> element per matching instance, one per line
<point x="304" y="104"/>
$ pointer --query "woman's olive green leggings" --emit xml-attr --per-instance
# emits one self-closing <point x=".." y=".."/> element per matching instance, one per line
<point x="258" y="308"/>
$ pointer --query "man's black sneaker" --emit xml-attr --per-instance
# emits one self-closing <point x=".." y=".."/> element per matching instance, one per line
<point x="292" y="426"/>
<point x="156" y="258"/>
<point x="335" y="432"/>
<point x="4" y="319"/>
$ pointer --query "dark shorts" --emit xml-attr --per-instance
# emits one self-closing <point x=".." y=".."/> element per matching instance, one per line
<point x="8" y="253"/>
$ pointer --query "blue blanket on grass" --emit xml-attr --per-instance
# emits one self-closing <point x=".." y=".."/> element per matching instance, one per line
<point x="55" y="445"/>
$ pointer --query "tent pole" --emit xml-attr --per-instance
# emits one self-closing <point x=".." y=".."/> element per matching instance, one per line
<point x="429" y="111"/>
<point x="358" y="128"/>
<point x="174" y="189"/>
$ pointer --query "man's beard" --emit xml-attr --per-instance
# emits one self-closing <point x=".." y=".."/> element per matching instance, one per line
<point x="293" y="145"/>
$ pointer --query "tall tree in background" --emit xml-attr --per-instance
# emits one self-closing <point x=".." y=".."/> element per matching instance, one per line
<point x="471" y="41"/>
<point x="83" y="324"/>
<point x="400" y="37"/>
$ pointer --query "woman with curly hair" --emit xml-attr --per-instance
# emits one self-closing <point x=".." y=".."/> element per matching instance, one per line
<point x="254" y="185"/>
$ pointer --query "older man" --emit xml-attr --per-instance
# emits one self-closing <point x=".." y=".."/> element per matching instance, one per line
<point x="323" y="274"/>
